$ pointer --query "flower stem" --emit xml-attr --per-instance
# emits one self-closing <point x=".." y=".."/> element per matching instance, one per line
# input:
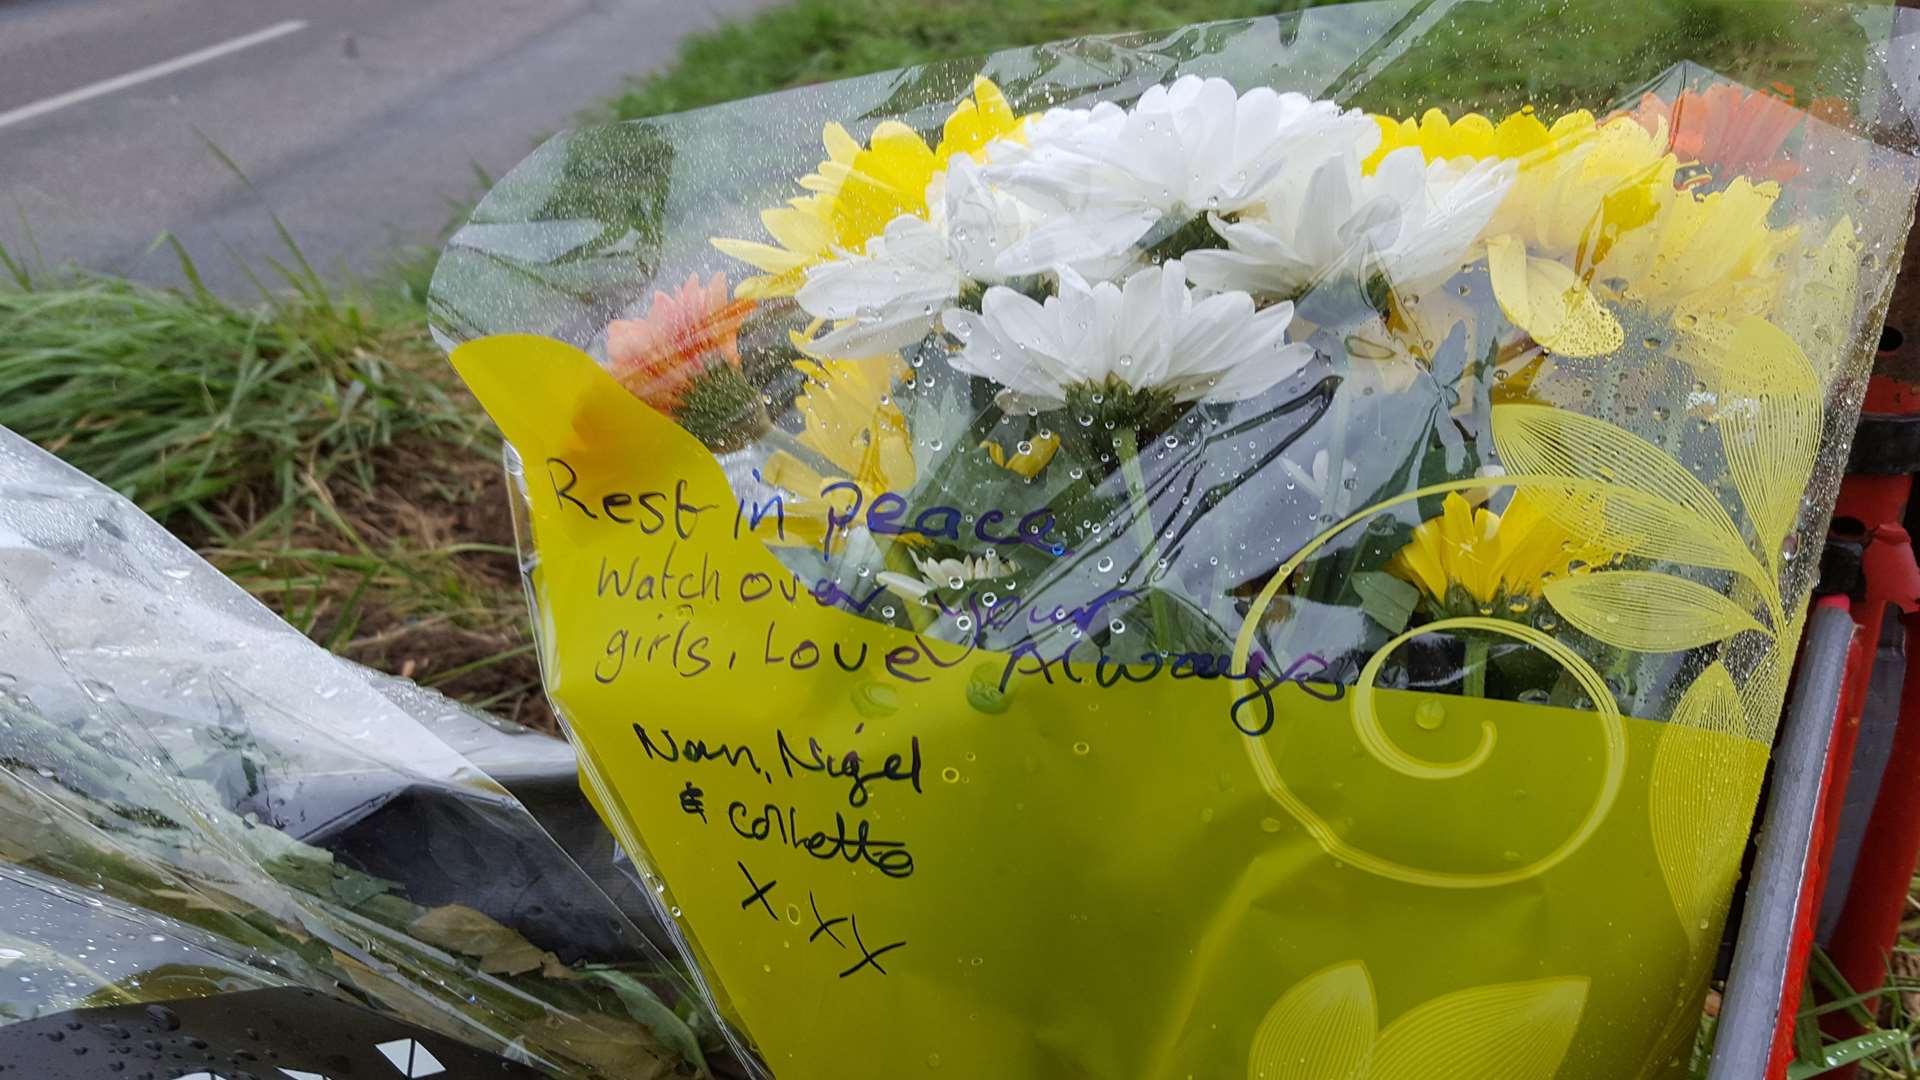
<point x="1475" y="682"/>
<point x="1126" y="442"/>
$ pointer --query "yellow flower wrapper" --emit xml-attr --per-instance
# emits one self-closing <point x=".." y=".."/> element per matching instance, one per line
<point x="1174" y="559"/>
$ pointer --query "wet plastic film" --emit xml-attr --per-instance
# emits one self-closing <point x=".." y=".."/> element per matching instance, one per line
<point x="197" y="801"/>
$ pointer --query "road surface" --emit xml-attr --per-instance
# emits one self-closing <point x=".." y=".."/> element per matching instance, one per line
<point x="361" y="123"/>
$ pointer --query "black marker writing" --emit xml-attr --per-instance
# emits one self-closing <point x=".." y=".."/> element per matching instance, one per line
<point x="890" y="857"/>
<point x="847" y="766"/>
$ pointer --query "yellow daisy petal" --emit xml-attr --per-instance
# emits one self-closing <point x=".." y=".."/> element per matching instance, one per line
<point x="859" y="189"/>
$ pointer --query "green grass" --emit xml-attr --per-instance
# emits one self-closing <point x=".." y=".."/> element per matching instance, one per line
<point x="812" y="41"/>
<point x="180" y="400"/>
<point x="1501" y="55"/>
<point x="1888" y="1018"/>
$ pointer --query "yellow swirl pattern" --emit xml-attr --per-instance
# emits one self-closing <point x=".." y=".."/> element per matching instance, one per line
<point x="1366" y="720"/>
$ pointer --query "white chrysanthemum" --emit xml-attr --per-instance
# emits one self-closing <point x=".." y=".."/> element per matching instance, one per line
<point x="1105" y="177"/>
<point x="1409" y="221"/>
<point x="891" y="295"/>
<point x="1151" y="333"/>
<point x="946" y="574"/>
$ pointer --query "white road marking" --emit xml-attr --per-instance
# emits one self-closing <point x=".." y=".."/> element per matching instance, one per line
<point x="147" y="74"/>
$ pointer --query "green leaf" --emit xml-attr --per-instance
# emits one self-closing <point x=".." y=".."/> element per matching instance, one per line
<point x="355" y="889"/>
<point x="1386" y="599"/>
<point x="462" y="929"/>
<point x="646" y="1007"/>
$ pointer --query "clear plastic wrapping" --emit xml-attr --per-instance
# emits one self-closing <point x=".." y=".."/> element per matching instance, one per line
<point x="195" y="800"/>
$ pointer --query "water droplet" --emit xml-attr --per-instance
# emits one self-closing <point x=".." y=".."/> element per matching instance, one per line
<point x="1105" y="564"/>
<point x="1430" y="715"/>
<point x="1270" y="825"/>
<point x="933" y="1061"/>
<point x="950" y="774"/>
<point x="1082" y="748"/>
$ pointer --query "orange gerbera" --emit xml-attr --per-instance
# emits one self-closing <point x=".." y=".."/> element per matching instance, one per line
<point x="1729" y="129"/>
<point x="684" y="335"/>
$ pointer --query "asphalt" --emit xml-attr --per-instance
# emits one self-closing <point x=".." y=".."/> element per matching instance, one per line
<point x="362" y="129"/>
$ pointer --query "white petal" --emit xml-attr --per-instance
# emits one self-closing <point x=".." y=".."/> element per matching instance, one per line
<point x="1095" y="237"/>
<point x="911" y="588"/>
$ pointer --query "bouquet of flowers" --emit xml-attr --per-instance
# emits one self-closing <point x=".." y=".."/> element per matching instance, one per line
<point x="1143" y="534"/>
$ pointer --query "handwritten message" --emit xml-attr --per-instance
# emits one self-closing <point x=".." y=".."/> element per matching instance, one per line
<point x="683" y="610"/>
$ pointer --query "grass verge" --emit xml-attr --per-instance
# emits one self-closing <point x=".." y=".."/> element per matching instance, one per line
<point x="315" y="447"/>
<point x="1595" y="45"/>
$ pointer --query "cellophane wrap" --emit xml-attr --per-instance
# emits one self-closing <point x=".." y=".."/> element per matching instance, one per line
<point x="1270" y="549"/>
<point x="198" y="801"/>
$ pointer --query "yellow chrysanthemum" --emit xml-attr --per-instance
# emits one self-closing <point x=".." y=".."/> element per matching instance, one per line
<point x="1578" y="183"/>
<point x="1595" y="204"/>
<point x="1520" y="135"/>
<point x="852" y="424"/>
<point x="1709" y="255"/>
<point x="859" y="189"/>
<point x="1025" y="463"/>
<point x="1491" y="557"/>
<point x="1578" y="180"/>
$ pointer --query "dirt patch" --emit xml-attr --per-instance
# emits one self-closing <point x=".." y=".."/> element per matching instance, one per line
<point x="407" y="567"/>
